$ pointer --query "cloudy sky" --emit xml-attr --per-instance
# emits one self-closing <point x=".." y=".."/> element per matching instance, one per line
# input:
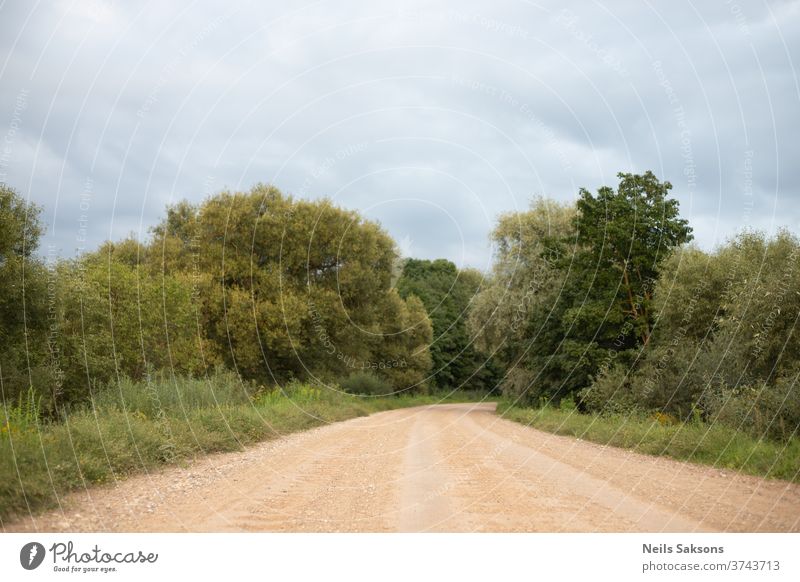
<point x="431" y="117"/>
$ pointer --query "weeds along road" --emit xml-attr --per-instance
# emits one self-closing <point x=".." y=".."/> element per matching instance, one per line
<point x="453" y="467"/>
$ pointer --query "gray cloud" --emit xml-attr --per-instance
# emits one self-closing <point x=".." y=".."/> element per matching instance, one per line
<point x="432" y="118"/>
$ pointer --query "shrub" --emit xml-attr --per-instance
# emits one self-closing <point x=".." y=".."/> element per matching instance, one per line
<point x="771" y="411"/>
<point x="517" y="385"/>
<point x="568" y="403"/>
<point x="366" y="384"/>
<point x="673" y="378"/>
<point x="611" y="392"/>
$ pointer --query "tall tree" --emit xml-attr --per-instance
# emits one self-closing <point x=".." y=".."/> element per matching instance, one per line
<point x="25" y="349"/>
<point x="446" y="294"/>
<point x="290" y="288"/>
<point x="626" y="234"/>
<point x="573" y="286"/>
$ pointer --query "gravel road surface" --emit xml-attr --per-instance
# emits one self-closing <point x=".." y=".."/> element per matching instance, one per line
<point x="450" y="467"/>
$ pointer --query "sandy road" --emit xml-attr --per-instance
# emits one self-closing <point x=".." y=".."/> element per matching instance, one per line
<point x="455" y="467"/>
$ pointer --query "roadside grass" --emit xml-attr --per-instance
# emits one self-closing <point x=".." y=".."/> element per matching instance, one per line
<point x="135" y="426"/>
<point x="697" y="442"/>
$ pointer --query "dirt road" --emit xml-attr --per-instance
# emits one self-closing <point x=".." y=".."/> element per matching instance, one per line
<point x="454" y="467"/>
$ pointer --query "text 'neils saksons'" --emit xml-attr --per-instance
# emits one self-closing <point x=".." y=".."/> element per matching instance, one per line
<point x="681" y="549"/>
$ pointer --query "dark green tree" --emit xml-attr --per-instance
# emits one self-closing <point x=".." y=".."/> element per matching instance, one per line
<point x="623" y="236"/>
<point x="25" y="351"/>
<point x="572" y="291"/>
<point x="447" y="294"/>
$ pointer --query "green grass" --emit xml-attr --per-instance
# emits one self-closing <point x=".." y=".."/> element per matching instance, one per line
<point x="717" y="445"/>
<point x="135" y="426"/>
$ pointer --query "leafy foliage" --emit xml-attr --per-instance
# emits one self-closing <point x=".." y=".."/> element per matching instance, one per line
<point x="272" y="288"/>
<point x="600" y="304"/>
<point x="295" y="289"/>
<point x="725" y="343"/>
<point x="515" y="317"/>
<point x="573" y="286"/>
<point x="365" y="383"/>
<point x="25" y="349"/>
<point x="446" y="294"/>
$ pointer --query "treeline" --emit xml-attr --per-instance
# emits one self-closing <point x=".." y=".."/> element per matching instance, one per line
<point x="605" y="303"/>
<point x="272" y="288"/>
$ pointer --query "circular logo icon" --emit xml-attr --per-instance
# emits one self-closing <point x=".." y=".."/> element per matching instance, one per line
<point x="31" y="555"/>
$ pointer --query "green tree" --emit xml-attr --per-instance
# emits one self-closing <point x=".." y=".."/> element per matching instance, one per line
<point x="572" y="290"/>
<point x="623" y="237"/>
<point x="25" y="351"/>
<point x="724" y="344"/>
<point x="446" y="294"/>
<point x="118" y="319"/>
<point x="516" y="316"/>
<point x="403" y="357"/>
<point x="287" y="288"/>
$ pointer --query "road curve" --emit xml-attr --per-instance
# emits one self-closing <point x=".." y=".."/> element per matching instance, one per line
<point x="451" y="467"/>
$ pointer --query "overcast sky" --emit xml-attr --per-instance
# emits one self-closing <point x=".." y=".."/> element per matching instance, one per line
<point x="431" y="117"/>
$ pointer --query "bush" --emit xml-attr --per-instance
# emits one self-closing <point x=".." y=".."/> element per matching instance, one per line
<point x="611" y="392"/>
<point x="771" y="411"/>
<point x="366" y="384"/>
<point x="673" y="378"/>
<point x="518" y="385"/>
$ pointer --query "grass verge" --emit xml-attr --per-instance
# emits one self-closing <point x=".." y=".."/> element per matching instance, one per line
<point x="133" y="427"/>
<point x="716" y="445"/>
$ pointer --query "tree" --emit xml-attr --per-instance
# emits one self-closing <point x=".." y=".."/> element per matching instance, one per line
<point x="628" y="233"/>
<point x="403" y="356"/>
<point x="516" y="316"/>
<point x="724" y="344"/>
<point x="117" y="319"/>
<point x="26" y="358"/>
<point x="288" y="288"/>
<point x="446" y="294"/>
<point x="572" y="290"/>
